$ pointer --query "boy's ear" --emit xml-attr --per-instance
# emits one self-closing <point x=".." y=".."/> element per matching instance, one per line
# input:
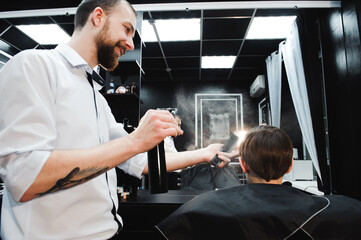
<point x="289" y="170"/>
<point x="244" y="165"/>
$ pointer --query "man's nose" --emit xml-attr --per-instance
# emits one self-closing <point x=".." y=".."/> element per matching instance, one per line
<point x="129" y="44"/>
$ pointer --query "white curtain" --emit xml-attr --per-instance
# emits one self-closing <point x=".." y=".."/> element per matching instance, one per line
<point x="274" y="76"/>
<point x="292" y="57"/>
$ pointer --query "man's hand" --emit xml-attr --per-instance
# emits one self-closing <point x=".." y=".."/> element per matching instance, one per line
<point x="226" y="158"/>
<point x="154" y="126"/>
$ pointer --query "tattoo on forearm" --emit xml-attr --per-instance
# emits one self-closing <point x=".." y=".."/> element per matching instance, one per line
<point x="68" y="181"/>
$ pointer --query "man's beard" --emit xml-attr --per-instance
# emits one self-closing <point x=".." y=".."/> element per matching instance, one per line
<point x="107" y="56"/>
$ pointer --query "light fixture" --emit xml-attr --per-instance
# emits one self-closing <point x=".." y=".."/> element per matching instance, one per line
<point x="45" y="33"/>
<point x="270" y="27"/>
<point x="172" y="30"/>
<point x="218" y="61"/>
<point x="5" y="54"/>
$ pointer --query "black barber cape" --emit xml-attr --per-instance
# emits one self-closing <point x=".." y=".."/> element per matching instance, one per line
<point x="263" y="211"/>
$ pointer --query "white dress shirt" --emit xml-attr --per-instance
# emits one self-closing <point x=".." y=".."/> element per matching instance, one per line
<point x="169" y="144"/>
<point x="47" y="103"/>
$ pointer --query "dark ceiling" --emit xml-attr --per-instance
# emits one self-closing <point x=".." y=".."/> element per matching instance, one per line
<point x="223" y="33"/>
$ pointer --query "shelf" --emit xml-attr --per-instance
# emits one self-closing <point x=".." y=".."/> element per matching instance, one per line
<point x="112" y="95"/>
<point x="121" y="94"/>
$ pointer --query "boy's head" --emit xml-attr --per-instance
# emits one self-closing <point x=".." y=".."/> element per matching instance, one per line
<point x="266" y="153"/>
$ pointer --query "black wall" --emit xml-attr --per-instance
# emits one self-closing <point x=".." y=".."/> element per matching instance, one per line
<point x="340" y="37"/>
<point x="181" y="95"/>
<point x="332" y="54"/>
<point x="289" y="122"/>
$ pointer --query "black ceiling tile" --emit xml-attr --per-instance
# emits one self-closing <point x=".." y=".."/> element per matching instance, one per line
<point x="184" y="62"/>
<point x="184" y="48"/>
<point x="151" y="49"/>
<point x="250" y="62"/>
<point x="3" y="25"/>
<point x="29" y="20"/>
<point x="185" y="74"/>
<point x="68" y="28"/>
<point x="217" y="48"/>
<point x="48" y="46"/>
<point x="146" y="15"/>
<point x="64" y="18"/>
<point x="42" y="4"/>
<point x="172" y="14"/>
<point x="230" y="28"/>
<point x="245" y="75"/>
<point x="260" y="47"/>
<point x="151" y="63"/>
<point x="215" y="74"/>
<point x="4" y="46"/>
<point x="276" y="12"/>
<point x="228" y="13"/>
<point x="156" y="75"/>
<point x="19" y="39"/>
<point x="245" y="72"/>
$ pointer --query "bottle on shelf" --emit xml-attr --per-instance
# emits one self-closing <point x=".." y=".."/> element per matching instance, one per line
<point x="132" y="88"/>
<point x="121" y="89"/>
<point x="127" y="127"/>
<point x="111" y="86"/>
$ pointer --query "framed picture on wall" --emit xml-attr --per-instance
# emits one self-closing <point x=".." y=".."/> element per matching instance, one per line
<point x="219" y="126"/>
<point x="216" y="116"/>
<point x="264" y="112"/>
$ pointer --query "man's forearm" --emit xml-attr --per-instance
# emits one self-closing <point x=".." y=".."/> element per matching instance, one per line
<point x="179" y="160"/>
<point x="68" y="168"/>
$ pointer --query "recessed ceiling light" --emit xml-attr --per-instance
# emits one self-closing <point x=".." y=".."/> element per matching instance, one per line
<point x="172" y="30"/>
<point x="218" y="61"/>
<point x="45" y="33"/>
<point x="270" y="27"/>
<point x="5" y="54"/>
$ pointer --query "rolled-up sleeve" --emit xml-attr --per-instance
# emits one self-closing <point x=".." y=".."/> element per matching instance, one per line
<point x="135" y="165"/>
<point x="27" y="125"/>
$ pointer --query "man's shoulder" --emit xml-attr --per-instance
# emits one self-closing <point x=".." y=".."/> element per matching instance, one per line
<point x="30" y="59"/>
<point x="33" y="56"/>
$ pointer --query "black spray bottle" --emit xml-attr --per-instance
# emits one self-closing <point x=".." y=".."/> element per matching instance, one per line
<point x="157" y="170"/>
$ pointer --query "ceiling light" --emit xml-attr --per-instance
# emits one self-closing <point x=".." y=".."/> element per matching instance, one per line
<point x="45" y="33"/>
<point x="172" y="30"/>
<point x="5" y="54"/>
<point x="218" y="61"/>
<point x="270" y="27"/>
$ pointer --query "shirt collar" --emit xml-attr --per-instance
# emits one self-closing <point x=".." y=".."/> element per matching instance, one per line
<point x="75" y="60"/>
